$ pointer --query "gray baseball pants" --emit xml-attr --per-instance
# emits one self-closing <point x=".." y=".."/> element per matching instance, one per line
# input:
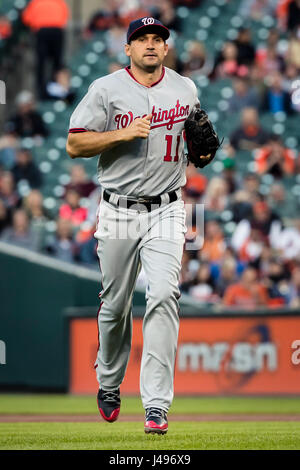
<point x="127" y="240"/>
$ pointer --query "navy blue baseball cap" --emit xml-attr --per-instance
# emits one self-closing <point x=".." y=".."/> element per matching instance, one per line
<point x="146" y="25"/>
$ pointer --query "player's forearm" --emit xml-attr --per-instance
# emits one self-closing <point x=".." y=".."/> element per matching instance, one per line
<point x="88" y="144"/>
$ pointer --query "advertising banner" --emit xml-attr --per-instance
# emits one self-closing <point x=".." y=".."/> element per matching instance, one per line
<point x="215" y="356"/>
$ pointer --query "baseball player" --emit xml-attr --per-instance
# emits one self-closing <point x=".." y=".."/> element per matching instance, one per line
<point x="134" y="119"/>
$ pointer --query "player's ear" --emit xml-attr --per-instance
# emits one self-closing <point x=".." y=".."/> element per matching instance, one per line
<point x="166" y="49"/>
<point x="127" y="50"/>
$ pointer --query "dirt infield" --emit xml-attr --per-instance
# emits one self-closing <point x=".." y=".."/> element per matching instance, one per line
<point x="126" y="418"/>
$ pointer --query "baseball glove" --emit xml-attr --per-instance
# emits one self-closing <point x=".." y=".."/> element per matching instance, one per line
<point x="201" y="138"/>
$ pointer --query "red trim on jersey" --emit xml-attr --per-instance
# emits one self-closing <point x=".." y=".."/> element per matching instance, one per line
<point x="150" y="86"/>
<point x="98" y="313"/>
<point x="75" y="130"/>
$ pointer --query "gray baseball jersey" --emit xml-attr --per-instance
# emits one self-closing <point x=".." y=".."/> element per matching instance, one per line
<point x="143" y="167"/>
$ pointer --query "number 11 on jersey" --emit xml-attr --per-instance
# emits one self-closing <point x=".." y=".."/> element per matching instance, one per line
<point x="168" y="157"/>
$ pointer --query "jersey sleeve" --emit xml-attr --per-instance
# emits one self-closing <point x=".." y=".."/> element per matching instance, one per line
<point x="91" y="113"/>
<point x="194" y="91"/>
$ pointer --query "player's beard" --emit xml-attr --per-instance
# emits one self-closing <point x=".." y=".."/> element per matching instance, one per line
<point x="148" y="68"/>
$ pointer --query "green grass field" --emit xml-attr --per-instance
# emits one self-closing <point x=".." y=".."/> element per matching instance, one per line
<point x="187" y="435"/>
<point x="130" y="436"/>
<point x="72" y="404"/>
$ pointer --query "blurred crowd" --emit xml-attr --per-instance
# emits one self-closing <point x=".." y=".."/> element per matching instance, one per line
<point x="258" y="263"/>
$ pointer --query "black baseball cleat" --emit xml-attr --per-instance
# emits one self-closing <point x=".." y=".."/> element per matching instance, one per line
<point x="156" y="421"/>
<point x="109" y="404"/>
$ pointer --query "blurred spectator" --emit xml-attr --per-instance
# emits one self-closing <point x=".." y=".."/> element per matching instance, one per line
<point x="130" y="10"/>
<point x="243" y="96"/>
<point x="282" y="13"/>
<point x="275" y="280"/>
<point x="230" y="175"/>
<point x="102" y="20"/>
<point x="115" y="39"/>
<point x="290" y="84"/>
<point x="167" y="15"/>
<point x="8" y="146"/>
<point x="4" y="217"/>
<point x="257" y="9"/>
<point x="272" y="39"/>
<point x="5" y="28"/>
<point x="27" y="122"/>
<point x="86" y="244"/>
<point x="62" y="245"/>
<point x="265" y="259"/>
<point x="250" y="134"/>
<point x="262" y="219"/>
<point x="8" y="192"/>
<point x="251" y="183"/>
<point x="20" y="233"/>
<point x="93" y="205"/>
<point x="270" y="61"/>
<point x="72" y="210"/>
<point x="228" y="256"/>
<point x="26" y="170"/>
<point x="195" y="182"/>
<point x="275" y="159"/>
<point x="268" y="57"/>
<point x="171" y="60"/>
<point x="288" y="243"/>
<point x="291" y="73"/>
<point x="47" y="19"/>
<point x="252" y="247"/>
<point x="293" y="15"/>
<point x="293" y="294"/>
<point x="203" y="287"/>
<point x="245" y="47"/>
<point x="60" y="87"/>
<point x="214" y="242"/>
<point x="192" y="193"/>
<point x="293" y="51"/>
<point x="33" y="204"/>
<point x="256" y="80"/>
<point x="38" y="216"/>
<point x="275" y="98"/>
<point x="226" y="63"/>
<point x="279" y="201"/>
<point x="240" y="206"/>
<point x="228" y="276"/>
<point x="197" y="62"/>
<point x="248" y="293"/>
<point x="186" y="276"/>
<point x="216" y="197"/>
<point x="79" y="181"/>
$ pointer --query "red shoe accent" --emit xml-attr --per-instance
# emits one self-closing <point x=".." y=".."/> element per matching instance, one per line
<point x="109" y="404"/>
<point x="153" y="425"/>
<point x="113" y="417"/>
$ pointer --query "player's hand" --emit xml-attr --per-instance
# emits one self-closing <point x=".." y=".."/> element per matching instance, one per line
<point x="140" y="127"/>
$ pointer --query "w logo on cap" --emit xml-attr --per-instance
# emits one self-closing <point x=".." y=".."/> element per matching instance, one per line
<point x="148" y="21"/>
<point x="146" y="25"/>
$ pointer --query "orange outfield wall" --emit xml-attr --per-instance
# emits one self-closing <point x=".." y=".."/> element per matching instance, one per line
<point x="216" y="356"/>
